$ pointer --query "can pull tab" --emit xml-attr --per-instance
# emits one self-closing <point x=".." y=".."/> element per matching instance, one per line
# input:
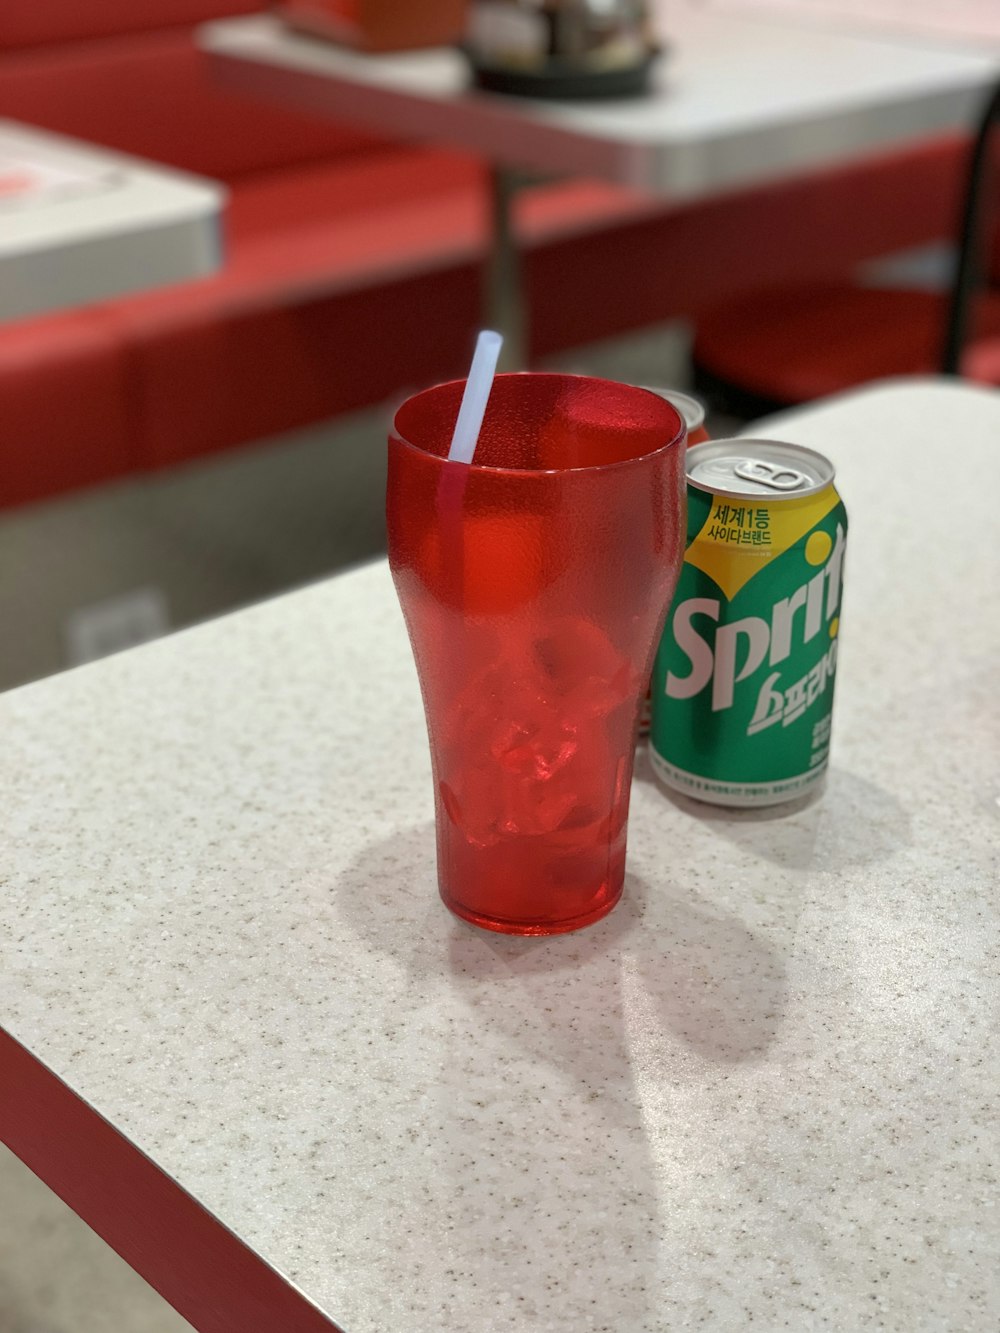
<point x="770" y="474"/>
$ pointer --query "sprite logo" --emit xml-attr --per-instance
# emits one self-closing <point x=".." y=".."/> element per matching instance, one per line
<point x="743" y="685"/>
<point x="713" y="659"/>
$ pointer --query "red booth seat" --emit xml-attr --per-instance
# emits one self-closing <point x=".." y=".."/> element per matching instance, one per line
<point x="151" y="94"/>
<point x="24" y="24"/>
<point x="795" y="344"/>
<point x="353" y="263"/>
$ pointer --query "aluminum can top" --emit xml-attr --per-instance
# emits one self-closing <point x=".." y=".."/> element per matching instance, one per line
<point x="770" y="468"/>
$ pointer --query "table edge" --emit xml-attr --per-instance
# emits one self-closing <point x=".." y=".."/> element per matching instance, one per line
<point x="205" y="1271"/>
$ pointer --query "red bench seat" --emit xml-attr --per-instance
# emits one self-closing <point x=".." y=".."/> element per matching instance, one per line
<point x="352" y="267"/>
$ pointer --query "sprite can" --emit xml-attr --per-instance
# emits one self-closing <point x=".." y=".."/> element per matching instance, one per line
<point x="744" y="676"/>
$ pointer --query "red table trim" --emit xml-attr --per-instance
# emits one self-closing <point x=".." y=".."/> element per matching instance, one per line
<point x="196" y="1263"/>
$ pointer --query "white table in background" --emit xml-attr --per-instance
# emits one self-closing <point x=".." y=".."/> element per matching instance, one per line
<point x="79" y="223"/>
<point x="764" y="1087"/>
<point x="737" y="101"/>
<point x="968" y="24"/>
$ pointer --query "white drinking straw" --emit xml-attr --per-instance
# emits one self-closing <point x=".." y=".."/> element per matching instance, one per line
<point x="476" y="396"/>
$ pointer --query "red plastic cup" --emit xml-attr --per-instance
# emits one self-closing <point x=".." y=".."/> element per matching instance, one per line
<point x="534" y="583"/>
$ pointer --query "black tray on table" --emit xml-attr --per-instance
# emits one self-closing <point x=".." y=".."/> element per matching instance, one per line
<point x="563" y="80"/>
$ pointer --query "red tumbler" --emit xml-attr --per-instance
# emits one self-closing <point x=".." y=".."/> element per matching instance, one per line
<point x="534" y="583"/>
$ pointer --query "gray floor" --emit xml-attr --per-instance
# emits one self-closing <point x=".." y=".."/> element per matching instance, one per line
<point x="180" y="548"/>
<point x="57" y="1276"/>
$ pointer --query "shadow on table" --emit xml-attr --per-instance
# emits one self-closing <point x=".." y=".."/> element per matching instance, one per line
<point x="589" y="1052"/>
<point x="712" y="982"/>
<point x="566" y="1048"/>
<point x="848" y="822"/>
<point x="567" y="1090"/>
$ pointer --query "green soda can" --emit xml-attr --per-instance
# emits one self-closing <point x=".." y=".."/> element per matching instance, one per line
<point x="744" y="675"/>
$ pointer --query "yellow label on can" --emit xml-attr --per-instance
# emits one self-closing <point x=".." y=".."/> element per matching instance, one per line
<point x="739" y="537"/>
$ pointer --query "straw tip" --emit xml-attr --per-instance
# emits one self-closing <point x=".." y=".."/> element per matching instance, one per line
<point x="477" y="391"/>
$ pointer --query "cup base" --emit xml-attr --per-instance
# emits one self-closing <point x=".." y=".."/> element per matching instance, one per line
<point x="504" y="927"/>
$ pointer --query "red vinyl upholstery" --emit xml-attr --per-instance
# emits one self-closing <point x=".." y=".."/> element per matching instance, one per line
<point x="65" y="406"/>
<point x="151" y="95"/>
<point x="799" y="341"/>
<point x="322" y="309"/>
<point x="25" y="23"/>
<point x="793" y="344"/>
<point x="353" y="263"/>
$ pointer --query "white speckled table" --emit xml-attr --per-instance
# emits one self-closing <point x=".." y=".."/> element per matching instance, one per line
<point x="764" y="1090"/>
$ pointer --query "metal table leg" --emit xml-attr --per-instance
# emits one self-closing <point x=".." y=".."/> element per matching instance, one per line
<point x="505" y="303"/>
